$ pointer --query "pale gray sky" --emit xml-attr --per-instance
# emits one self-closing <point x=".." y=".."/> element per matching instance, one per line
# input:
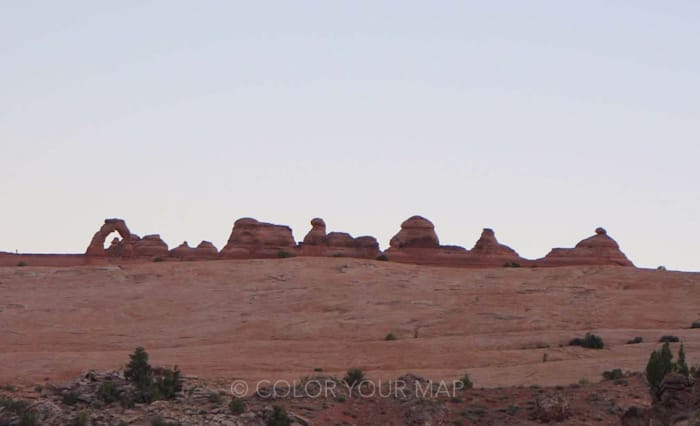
<point x="541" y="119"/>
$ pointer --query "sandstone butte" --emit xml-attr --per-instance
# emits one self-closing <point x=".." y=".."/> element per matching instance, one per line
<point x="416" y="243"/>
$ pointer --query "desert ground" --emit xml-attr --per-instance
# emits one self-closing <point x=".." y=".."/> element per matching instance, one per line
<point x="283" y="318"/>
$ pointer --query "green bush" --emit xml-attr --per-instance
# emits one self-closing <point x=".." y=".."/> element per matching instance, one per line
<point x="338" y="255"/>
<point x="695" y="324"/>
<point x="613" y="374"/>
<point x="279" y="417"/>
<point x="82" y="419"/>
<point x="21" y="263"/>
<point x="70" y="398"/>
<point x="511" y="265"/>
<point x="158" y="259"/>
<point x="669" y="339"/>
<point x="237" y="406"/>
<point x="108" y="393"/>
<point x="354" y="376"/>
<point x="382" y="258"/>
<point x="389" y="337"/>
<point x="283" y="254"/>
<point x="28" y="418"/>
<point x="466" y="381"/>
<point x="20" y="409"/>
<point x="659" y="365"/>
<point x="590" y="341"/>
<point x="149" y="385"/>
<point x="634" y="341"/>
<point x="214" y="397"/>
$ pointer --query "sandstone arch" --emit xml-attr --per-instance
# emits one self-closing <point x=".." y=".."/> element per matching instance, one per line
<point x="96" y="247"/>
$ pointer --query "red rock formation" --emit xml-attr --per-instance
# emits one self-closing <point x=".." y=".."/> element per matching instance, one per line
<point x="96" y="247"/>
<point x="150" y="246"/>
<point x="599" y="249"/>
<point x="205" y="250"/>
<point x="317" y="234"/>
<point x="489" y="252"/>
<point x="318" y="243"/>
<point x="252" y="239"/>
<point x="416" y="232"/>
<point x="418" y="243"/>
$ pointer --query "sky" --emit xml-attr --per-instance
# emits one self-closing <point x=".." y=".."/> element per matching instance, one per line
<point x="540" y="119"/>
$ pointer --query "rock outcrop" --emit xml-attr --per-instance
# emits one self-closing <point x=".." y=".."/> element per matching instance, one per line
<point x="489" y="252"/>
<point x="318" y="243"/>
<point x="205" y="250"/>
<point x="150" y="246"/>
<point x="252" y="239"/>
<point x="416" y="242"/>
<point x="416" y="232"/>
<point x="599" y="249"/>
<point x="96" y="247"/>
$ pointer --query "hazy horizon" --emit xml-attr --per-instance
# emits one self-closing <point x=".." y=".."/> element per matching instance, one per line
<point x="542" y="121"/>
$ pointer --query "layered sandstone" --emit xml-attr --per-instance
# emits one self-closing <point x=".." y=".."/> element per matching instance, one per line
<point x="96" y="247"/>
<point x="318" y="243"/>
<point x="205" y="250"/>
<point x="150" y="246"/>
<point x="253" y="239"/>
<point x="599" y="249"/>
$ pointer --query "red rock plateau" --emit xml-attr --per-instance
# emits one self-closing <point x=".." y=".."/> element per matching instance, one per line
<point x="416" y="242"/>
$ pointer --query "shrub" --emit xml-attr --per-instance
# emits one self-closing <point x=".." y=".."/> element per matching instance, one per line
<point x="669" y="339"/>
<point x="21" y="263"/>
<point x="613" y="374"/>
<point x="283" y="254"/>
<point x="70" y="398"/>
<point x="169" y="383"/>
<point x="354" y="376"/>
<point x="681" y="366"/>
<point x="149" y="385"/>
<point x="28" y="418"/>
<point x="660" y="363"/>
<point x="390" y="336"/>
<point x="237" y="406"/>
<point x="634" y="341"/>
<point x="158" y="259"/>
<point x="20" y="409"/>
<point x="338" y="255"/>
<point x="214" y="397"/>
<point x="695" y="324"/>
<point x="82" y="419"/>
<point x="661" y="268"/>
<point x="108" y="393"/>
<point x="279" y="417"/>
<point x="466" y="381"/>
<point x="590" y="341"/>
<point x="511" y="265"/>
<point x="382" y="258"/>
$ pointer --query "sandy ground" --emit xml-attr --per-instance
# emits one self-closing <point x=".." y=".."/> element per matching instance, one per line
<point x="281" y="319"/>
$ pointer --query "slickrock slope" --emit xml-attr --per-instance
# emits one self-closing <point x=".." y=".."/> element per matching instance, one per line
<point x="318" y="243"/>
<point x="282" y="318"/>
